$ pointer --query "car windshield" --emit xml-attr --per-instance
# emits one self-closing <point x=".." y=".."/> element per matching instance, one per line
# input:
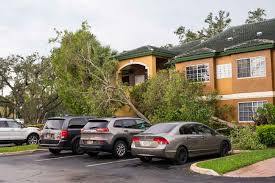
<point x="93" y="124"/>
<point x="54" y="124"/>
<point x="161" y="128"/>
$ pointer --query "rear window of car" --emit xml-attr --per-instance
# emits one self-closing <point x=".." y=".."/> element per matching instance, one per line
<point x="161" y="128"/>
<point x="54" y="124"/>
<point x="93" y="124"/>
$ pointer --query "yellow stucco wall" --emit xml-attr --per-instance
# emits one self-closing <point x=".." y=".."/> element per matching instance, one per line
<point x="150" y="64"/>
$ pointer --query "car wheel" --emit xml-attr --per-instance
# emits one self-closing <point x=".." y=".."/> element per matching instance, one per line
<point x="32" y="139"/>
<point x="145" y="159"/>
<point x="55" y="151"/>
<point x="224" y="149"/>
<point x="120" y="149"/>
<point x="181" y="156"/>
<point x="76" y="147"/>
<point x="92" y="154"/>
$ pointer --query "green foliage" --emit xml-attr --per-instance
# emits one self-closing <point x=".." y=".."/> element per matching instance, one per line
<point x="215" y="25"/>
<point x="170" y="97"/>
<point x="18" y="148"/>
<point x="85" y="71"/>
<point x="266" y="134"/>
<point x="245" y="138"/>
<point x="31" y="82"/>
<point x="265" y="115"/>
<point x="255" y="16"/>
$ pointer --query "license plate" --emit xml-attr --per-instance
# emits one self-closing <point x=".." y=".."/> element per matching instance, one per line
<point x="145" y="143"/>
<point x="89" y="142"/>
<point x="49" y="136"/>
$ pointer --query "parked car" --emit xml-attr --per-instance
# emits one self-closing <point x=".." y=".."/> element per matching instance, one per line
<point x="111" y="135"/>
<point x="179" y="141"/>
<point x="63" y="133"/>
<point x="12" y="131"/>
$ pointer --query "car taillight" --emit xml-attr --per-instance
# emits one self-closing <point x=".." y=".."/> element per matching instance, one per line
<point x="102" y="129"/>
<point x="82" y="130"/>
<point x="160" y="140"/>
<point x="135" y="139"/>
<point x="63" y="134"/>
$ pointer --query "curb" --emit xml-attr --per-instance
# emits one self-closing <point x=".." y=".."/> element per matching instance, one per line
<point x="205" y="171"/>
<point x="21" y="152"/>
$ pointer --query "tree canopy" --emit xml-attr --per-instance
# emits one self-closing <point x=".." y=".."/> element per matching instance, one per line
<point x="255" y="16"/>
<point x="31" y="82"/>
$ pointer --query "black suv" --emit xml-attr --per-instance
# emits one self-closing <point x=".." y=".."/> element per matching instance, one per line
<point x="63" y="133"/>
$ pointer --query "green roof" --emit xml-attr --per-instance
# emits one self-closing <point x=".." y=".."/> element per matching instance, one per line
<point x="145" y="51"/>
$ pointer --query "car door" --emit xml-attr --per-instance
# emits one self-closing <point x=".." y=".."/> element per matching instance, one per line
<point x="16" y="130"/>
<point x="194" y="141"/>
<point x="4" y="131"/>
<point x="129" y="128"/>
<point x="210" y="143"/>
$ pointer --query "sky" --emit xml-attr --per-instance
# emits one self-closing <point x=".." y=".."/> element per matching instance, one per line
<point x="27" y="25"/>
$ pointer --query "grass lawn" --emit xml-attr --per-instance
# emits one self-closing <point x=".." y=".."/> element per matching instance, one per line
<point x="234" y="162"/>
<point x="18" y="148"/>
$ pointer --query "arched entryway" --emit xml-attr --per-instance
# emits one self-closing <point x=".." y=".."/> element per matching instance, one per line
<point x="132" y="74"/>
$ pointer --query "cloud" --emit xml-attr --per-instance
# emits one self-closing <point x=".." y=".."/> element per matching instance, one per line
<point x="26" y="25"/>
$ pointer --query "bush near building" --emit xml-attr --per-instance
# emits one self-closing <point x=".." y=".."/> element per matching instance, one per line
<point x="266" y="134"/>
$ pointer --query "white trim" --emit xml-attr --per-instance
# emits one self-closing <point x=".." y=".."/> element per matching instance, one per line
<point x="135" y="63"/>
<point x="264" y="101"/>
<point x="250" y="65"/>
<point x="247" y="95"/>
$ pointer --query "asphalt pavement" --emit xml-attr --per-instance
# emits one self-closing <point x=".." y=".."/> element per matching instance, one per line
<point x="67" y="168"/>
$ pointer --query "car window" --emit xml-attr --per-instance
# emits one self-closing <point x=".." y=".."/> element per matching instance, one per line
<point x="118" y="124"/>
<point x="203" y="130"/>
<point x="77" y="123"/>
<point x="129" y="123"/>
<point x="54" y="124"/>
<point x="3" y="124"/>
<point x="187" y="130"/>
<point x="94" y="124"/>
<point x="140" y="124"/>
<point x="13" y="124"/>
<point x="161" y="128"/>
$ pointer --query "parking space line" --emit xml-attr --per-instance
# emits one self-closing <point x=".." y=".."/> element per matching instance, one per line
<point x="99" y="164"/>
<point x="47" y="159"/>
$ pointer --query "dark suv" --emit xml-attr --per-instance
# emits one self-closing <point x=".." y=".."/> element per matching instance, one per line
<point x="111" y="135"/>
<point x="63" y="133"/>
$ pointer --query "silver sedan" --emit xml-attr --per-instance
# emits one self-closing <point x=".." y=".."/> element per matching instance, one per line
<point x="179" y="141"/>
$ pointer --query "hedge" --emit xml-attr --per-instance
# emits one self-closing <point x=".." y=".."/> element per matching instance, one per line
<point x="266" y="134"/>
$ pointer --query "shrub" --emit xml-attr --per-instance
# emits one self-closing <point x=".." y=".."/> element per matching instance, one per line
<point x="266" y="134"/>
<point x="265" y="115"/>
<point x="245" y="138"/>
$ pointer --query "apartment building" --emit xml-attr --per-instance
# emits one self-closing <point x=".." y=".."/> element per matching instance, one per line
<point x="237" y="63"/>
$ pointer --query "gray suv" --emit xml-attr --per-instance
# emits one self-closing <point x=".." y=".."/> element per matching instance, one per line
<point x="111" y="135"/>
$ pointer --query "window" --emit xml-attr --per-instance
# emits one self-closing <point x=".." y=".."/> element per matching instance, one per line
<point x="139" y="79"/>
<point x="248" y="109"/>
<point x="118" y="124"/>
<point x="54" y="124"/>
<point x="161" y="128"/>
<point x="224" y="71"/>
<point x="140" y="124"/>
<point x="198" y="72"/>
<point x="3" y="124"/>
<point x="13" y="124"/>
<point x="203" y="130"/>
<point x="188" y="130"/>
<point x="129" y="123"/>
<point x="251" y="67"/>
<point x="77" y="123"/>
<point x="94" y="124"/>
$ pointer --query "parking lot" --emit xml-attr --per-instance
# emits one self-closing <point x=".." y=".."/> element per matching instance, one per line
<point x="45" y="167"/>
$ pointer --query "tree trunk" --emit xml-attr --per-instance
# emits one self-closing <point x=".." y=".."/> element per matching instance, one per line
<point x="138" y="113"/>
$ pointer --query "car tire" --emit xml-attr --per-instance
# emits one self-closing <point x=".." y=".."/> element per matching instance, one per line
<point x="55" y="151"/>
<point x="224" y="149"/>
<point x="92" y="154"/>
<point x="181" y="156"/>
<point x="120" y="149"/>
<point x="146" y="159"/>
<point x="76" y="147"/>
<point x="33" y="139"/>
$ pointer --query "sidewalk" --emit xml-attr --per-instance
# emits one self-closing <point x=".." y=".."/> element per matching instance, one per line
<point x="264" y="168"/>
